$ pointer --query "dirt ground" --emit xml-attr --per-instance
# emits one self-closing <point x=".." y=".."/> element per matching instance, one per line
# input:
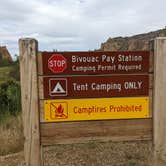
<point x="91" y="154"/>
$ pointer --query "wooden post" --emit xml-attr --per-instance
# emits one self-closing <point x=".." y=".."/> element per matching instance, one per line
<point x="28" y="49"/>
<point x="159" y="115"/>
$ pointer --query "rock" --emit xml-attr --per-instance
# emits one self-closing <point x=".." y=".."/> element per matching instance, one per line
<point x="4" y="54"/>
<point x="133" y="43"/>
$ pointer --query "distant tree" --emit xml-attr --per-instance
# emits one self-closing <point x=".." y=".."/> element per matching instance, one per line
<point x="15" y="72"/>
<point x="55" y="50"/>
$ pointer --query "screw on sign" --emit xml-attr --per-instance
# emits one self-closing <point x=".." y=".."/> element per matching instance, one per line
<point x="57" y="63"/>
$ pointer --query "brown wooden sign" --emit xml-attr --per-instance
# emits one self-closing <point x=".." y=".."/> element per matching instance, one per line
<point x="85" y="63"/>
<point x="74" y="96"/>
<point x="95" y="86"/>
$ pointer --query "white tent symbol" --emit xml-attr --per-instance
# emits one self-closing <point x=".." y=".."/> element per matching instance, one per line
<point x="58" y="89"/>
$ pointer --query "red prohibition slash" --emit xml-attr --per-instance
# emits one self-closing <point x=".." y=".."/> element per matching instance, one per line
<point x="58" y="110"/>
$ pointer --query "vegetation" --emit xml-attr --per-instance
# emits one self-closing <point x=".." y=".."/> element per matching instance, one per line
<point x="15" y="72"/>
<point x="9" y="70"/>
<point x="11" y="137"/>
<point x="5" y="73"/>
<point x="4" y="62"/>
<point x="10" y="93"/>
<point x="10" y="99"/>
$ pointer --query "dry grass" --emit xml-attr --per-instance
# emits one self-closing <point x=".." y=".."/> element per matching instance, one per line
<point x="133" y="153"/>
<point x="11" y="135"/>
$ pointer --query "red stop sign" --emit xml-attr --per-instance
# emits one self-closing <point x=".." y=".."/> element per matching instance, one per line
<point x="57" y="63"/>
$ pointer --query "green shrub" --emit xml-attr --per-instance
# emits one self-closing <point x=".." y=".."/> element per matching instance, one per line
<point x="10" y="98"/>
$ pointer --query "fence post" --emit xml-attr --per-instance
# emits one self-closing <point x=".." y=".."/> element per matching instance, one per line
<point x="28" y="49"/>
<point x="159" y="112"/>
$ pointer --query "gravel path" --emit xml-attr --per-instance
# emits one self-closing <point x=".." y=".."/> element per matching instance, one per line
<point x="91" y="154"/>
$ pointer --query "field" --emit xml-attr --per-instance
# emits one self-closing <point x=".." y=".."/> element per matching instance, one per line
<point x="11" y="132"/>
<point x="4" y="73"/>
<point x="11" y="136"/>
<point x="91" y="154"/>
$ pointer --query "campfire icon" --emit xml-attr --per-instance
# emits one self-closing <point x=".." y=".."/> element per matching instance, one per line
<point x="58" y="110"/>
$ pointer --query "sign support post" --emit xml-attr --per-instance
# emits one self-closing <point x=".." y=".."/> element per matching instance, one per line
<point x="28" y="49"/>
<point x="159" y="113"/>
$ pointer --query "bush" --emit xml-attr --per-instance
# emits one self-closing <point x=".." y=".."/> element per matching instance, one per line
<point x="10" y="98"/>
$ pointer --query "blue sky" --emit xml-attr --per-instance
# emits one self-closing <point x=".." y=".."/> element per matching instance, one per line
<point x="69" y="25"/>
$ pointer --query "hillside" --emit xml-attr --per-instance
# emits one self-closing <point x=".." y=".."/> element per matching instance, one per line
<point x="4" y="73"/>
<point x="133" y="43"/>
<point x="4" y="54"/>
<point x="9" y="71"/>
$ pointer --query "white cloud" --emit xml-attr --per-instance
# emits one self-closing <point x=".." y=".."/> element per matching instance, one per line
<point x="76" y="24"/>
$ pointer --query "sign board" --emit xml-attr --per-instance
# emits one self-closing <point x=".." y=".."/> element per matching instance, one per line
<point x="83" y="63"/>
<point x="95" y="81"/>
<point x="96" y="109"/>
<point x="85" y="87"/>
<point x="95" y="86"/>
